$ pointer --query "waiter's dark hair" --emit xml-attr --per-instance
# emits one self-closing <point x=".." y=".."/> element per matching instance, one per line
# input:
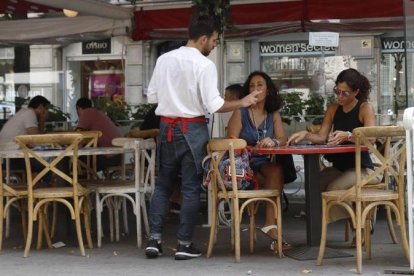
<point x="356" y="81"/>
<point x="36" y="101"/>
<point x="202" y="25"/>
<point x="84" y="103"/>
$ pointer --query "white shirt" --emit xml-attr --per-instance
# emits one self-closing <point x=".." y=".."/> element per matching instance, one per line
<point x="184" y="83"/>
<point x="18" y="124"/>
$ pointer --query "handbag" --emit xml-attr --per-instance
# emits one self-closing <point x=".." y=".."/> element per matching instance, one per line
<point x="288" y="166"/>
<point x="244" y="173"/>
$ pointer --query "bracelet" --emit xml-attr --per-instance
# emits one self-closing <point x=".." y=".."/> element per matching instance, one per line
<point x="349" y="135"/>
<point x="276" y="142"/>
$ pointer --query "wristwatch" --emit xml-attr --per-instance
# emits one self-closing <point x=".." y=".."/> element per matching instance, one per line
<point x="277" y="142"/>
<point x="349" y="135"/>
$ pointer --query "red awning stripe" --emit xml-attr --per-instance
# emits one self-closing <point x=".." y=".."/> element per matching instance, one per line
<point x="21" y="7"/>
<point x="151" y="24"/>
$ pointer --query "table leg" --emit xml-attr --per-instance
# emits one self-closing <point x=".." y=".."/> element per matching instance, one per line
<point x="313" y="199"/>
<point x="313" y="216"/>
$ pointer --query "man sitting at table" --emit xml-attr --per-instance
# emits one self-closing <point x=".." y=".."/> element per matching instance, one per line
<point x="28" y="120"/>
<point x="93" y="119"/>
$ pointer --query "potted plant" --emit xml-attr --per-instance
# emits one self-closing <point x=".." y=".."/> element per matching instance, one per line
<point x="118" y="110"/>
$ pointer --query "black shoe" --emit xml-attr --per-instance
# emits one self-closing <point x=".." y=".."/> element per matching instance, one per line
<point x="153" y="249"/>
<point x="186" y="252"/>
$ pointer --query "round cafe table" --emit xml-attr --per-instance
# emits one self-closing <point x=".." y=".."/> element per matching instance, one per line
<point x="313" y="199"/>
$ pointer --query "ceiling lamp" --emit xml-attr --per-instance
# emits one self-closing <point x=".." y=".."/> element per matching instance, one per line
<point x="70" y="13"/>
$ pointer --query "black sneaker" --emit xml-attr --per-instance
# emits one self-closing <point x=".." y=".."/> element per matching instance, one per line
<point x="153" y="249"/>
<point x="186" y="252"/>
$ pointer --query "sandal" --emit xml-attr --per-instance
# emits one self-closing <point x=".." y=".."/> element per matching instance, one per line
<point x="266" y="229"/>
<point x="285" y="245"/>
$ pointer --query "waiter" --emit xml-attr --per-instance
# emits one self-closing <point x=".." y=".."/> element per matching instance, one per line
<point x="184" y="84"/>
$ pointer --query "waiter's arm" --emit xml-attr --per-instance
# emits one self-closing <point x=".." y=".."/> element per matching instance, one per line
<point x="244" y="102"/>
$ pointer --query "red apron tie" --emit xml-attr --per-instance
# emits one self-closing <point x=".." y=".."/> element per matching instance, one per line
<point x="173" y="122"/>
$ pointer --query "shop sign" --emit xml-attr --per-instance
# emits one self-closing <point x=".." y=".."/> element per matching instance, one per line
<point x="96" y="47"/>
<point x="107" y="83"/>
<point x="395" y="44"/>
<point x="299" y="48"/>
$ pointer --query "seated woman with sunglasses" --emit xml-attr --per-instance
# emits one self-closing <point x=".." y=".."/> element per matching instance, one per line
<point x="352" y="110"/>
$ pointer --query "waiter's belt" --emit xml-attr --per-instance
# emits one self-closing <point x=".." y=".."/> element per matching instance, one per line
<point x="173" y="122"/>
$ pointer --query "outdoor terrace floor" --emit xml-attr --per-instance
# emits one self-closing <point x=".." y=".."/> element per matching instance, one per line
<point x="123" y="258"/>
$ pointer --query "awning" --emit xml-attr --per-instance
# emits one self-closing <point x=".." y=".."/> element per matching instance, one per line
<point x="96" y="20"/>
<point x="258" y="19"/>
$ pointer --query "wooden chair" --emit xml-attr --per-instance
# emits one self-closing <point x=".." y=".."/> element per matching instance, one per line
<point x="73" y="197"/>
<point x="87" y="169"/>
<point x="134" y="189"/>
<point x="114" y="172"/>
<point x="12" y="195"/>
<point x="238" y="200"/>
<point x="359" y="201"/>
<point x="16" y="180"/>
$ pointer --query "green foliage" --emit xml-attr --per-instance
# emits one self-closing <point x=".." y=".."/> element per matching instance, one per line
<point x="141" y="111"/>
<point x="219" y="9"/>
<point x="117" y="110"/>
<point x="331" y="99"/>
<point x="57" y="115"/>
<point x="293" y="106"/>
<point x="314" y="104"/>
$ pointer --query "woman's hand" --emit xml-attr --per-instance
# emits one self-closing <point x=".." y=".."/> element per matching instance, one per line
<point x="297" y="137"/>
<point x="338" y="137"/>
<point x="266" y="143"/>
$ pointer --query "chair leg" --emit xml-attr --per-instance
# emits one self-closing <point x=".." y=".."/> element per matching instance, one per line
<point x="29" y="232"/>
<point x="54" y="218"/>
<point x="323" y="233"/>
<point x="144" y="214"/>
<point x="46" y="228"/>
<point x="233" y="238"/>
<point x="358" y="232"/>
<point x="138" y="218"/>
<point x="40" y="229"/>
<point x="213" y="227"/>
<point x="252" y="226"/>
<point x="1" y="221"/>
<point x="98" y="212"/>
<point x="367" y="242"/>
<point x="109" y="205"/>
<point x="236" y="219"/>
<point x="117" y="202"/>
<point x="404" y="233"/>
<point x="86" y="219"/>
<point x="125" y="215"/>
<point x="390" y="225"/>
<point x="7" y="234"/>
<point x="79" y="230"/>
<point x="23" y="213"/>
<point x="279" y="226"/>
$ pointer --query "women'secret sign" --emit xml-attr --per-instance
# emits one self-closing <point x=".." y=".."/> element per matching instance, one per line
<point x="107" y="83"/>
<point x="291" y="48"/>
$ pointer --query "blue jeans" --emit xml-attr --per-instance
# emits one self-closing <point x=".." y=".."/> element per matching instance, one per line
<point x="182" y="155"/>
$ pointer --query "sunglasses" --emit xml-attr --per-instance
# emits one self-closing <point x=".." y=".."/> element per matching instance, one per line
<point x="341" y="92"/>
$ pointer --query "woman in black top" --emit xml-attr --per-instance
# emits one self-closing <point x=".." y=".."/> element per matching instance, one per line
<point x="352" y="110"/>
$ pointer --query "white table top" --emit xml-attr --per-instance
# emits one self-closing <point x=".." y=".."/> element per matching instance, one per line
<point x="18" y="153"/>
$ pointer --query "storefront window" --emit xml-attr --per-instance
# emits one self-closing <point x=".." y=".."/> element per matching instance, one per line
<point x="100" y="80"/>
<point x="6" y="85"/>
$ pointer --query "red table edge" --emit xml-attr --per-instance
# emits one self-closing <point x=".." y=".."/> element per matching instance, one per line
<point x="311" y="149"/>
